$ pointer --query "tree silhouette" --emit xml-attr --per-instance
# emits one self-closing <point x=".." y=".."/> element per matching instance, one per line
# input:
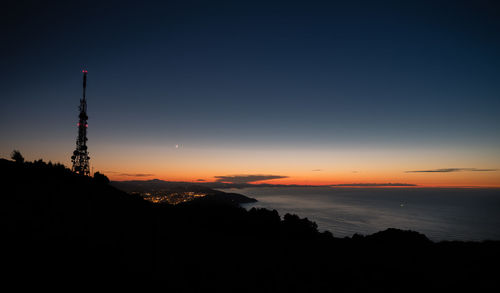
<point x="17" y="157"/>
<point x="101" y="178"/>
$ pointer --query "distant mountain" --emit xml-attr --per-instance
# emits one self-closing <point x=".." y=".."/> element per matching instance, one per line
<point x="160" y="184"/>
<point x="182" y="187"/>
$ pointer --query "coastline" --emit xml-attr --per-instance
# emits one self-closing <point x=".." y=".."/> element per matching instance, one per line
<point x="441" y="214"/>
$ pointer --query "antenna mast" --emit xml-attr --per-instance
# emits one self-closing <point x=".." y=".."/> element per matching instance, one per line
<point x="80" y="156"/>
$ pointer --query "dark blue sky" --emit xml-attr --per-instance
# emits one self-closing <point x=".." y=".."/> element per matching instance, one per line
<point x="300" y="73"/>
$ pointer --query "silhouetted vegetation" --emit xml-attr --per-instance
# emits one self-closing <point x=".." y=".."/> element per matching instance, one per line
<point x="17" y="157"/>
<point x="101" y="178"/>
<point x="60" y="226"/>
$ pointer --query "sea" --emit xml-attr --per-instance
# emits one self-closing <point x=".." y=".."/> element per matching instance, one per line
<point x="467" y="214"/>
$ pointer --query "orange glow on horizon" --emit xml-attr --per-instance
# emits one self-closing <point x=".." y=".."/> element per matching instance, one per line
<point x="299" y="166"/>
<point x="426" y="180"/>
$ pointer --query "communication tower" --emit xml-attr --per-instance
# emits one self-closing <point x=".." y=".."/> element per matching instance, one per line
<point x="80" y="157"/>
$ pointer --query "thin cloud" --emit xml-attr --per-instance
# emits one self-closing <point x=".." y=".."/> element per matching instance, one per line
<point x="372" y="184"/>
<point x="317" y="170"/>
<point x="129" y="174"/>
<point x="449" y="170"/>
<point x="136" y="175"/>
<point x="235" y="179"/>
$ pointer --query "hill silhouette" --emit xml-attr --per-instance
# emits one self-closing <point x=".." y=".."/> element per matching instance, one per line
<point x="211" y="195"/>
<point x="61" y="226"/>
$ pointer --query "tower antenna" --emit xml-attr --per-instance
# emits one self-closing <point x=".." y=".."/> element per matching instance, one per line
<point x="80" y="157"/>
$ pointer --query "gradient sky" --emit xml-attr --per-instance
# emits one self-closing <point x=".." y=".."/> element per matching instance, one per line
<point x="326" y="92"/>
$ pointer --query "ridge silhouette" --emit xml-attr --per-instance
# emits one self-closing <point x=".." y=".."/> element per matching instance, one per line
<point x="61" y="226"/>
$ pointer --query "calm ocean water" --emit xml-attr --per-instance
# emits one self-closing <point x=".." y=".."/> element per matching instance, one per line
<point x="439" y="213"/>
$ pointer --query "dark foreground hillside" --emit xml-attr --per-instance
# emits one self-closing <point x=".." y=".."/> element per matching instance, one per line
<point x="59" y="226"/>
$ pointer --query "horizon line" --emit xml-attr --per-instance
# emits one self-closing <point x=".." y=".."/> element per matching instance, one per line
<point x="341" y="185"/>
